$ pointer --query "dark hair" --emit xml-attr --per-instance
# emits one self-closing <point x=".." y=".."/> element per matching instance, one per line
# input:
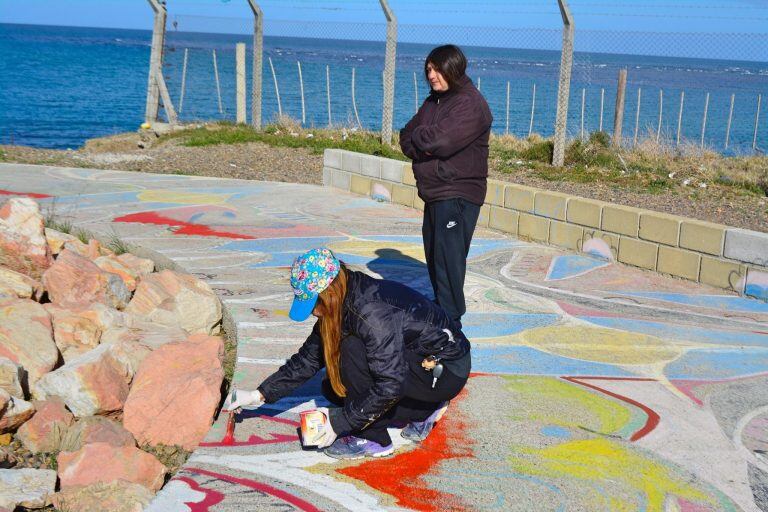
<point x="449" y="60"/>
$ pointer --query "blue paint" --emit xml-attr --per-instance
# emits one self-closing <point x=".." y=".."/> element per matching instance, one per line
<point x="494" y="325"/>
<point x="681" y="332"/>
<point x="756" y="291"/>
<point x="719" y="364"/>
<point x="516" y="360"/>
<point x="556" y="431"/>
<point x="566" y="267"/>
<point x="719" y="302"/>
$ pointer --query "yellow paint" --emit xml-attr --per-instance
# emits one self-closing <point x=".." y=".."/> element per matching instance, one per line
<point x="368" y="248"/>
<point x="169" y="196"/>
<point x="605" y="460"/>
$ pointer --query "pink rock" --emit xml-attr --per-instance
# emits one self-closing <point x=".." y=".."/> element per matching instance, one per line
<point x="14" y="284"/>
<point x="118" y="496"/>
<point x="26" y="337"/>
<point x="16" y="413"/>
<point x="78" y="329"/>
<point x="11" y="377"/>
<point x="147" y="334"/>
<point x="44" y="432"/>
<point x="74" y="280"/>
<point x="140" y="266"/>
<point x="175" y="393"/>
<point x="101" y="462"/>
<point x="94" y="383"/>
<point x="23" y="247"/>
<point x="96" y="429"/>
<point x="177" y="300"/>
<point x="92" y="250"/>
<point x="115" y="266"/>
<point x="57" y="239"/>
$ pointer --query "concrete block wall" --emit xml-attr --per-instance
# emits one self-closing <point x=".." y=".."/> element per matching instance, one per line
<point x="713" y="254"/>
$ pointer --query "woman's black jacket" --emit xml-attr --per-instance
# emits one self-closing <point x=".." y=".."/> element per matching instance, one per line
<point x="389" y="318"/>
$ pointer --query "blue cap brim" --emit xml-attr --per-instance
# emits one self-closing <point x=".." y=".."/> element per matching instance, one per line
<point x="301" y="309"/>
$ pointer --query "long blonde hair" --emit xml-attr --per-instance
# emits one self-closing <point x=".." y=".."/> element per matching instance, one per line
<point x="331" y="302"/>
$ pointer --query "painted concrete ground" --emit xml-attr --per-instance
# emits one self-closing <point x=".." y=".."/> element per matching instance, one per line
<point x="596" y="386"/>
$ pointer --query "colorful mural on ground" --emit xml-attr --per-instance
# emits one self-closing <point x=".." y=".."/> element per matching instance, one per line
<point x="596" y="386"/>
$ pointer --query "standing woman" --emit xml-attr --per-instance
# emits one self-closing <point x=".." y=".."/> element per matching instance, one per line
<point x="392" y="357"/>
<point x="447" y="140"/>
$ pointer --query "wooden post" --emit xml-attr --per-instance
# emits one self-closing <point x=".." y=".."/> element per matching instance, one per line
<point x="602" y="108"/>
<point x="218" y="86"/>
<point x="415" y="94"/>
<point x="478" y="84"/>
<point x="240" y="72"/>
<point x="533" y="110"/>
<point x="661" y="112"/>
<point x="506" y="130"/>
<point x="757" y="121"/>
<point x="564" y="84"/>
<point x="618" y="118"/>
<point x="301" y="90"/>
<point x="183" y="80"/>
<point x="354" y="101"/>
<point x="583" y="105"/>
<point x="388" y="106"/>
<point x="730" y="120"/>
<point x="637" y="115"/>
<point x="156" y="63"/>
<point x="680" y="116"/>
<point x="328" y="92"/>
<point x="258" y="52"/>
<point x="277" y="89"/>
<point x="704" y="121"/>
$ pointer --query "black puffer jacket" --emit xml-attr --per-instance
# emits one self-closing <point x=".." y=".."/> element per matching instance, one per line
<point x="447" y="140"/>
<point x="389" y="318"/>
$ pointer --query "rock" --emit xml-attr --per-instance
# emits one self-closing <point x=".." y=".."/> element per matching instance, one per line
<point x="115" y="266"/>
<point x="5" y="399"/>
<point x="149" y="335"/>
<point x="140" y="266"/>
<point x="94" y="383"/>
<point x="16" y="285"/>
<point x="77" y="330"/>
<point x="177" y="300"/>
<point x="23" y="247"/>
<point x="57" y="239"/>
<point x="29" y="488"/>
<point x="11" y="378"/>
<point x="101" y="462"/>
<point x="92" y="250"/>
<point x="96" y="429"/>
<point x="190" y="375"/>
<point x="16" y="413"/>
<point x="118" y="496"/>
<point x="74" y="280"/>
<point x="26" y="337"/>
<point x="44" y="432"/>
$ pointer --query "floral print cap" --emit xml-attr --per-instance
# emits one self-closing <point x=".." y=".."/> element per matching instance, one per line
<point x="311" y="273"/>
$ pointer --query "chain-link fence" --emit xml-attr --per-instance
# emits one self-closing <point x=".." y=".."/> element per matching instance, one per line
<point x="718" y="78"/>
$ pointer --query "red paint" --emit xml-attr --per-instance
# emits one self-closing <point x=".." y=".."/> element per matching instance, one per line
<point x="212" y="497"/>
<point x="653" y="418"/>
<point x="687" y="386"/>
<point x="402" y="476"/>
<point x="229" y="437"/>
<point x="687" y="506"/>
<point x="254" y="440"/>
<point x="258" y="486"/>
<point x="23" y="194"/>
<point x="185" y="228"/>
<point x="575" y="310"/>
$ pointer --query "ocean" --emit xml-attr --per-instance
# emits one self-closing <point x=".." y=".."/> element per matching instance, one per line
<point x="60" y="86"/>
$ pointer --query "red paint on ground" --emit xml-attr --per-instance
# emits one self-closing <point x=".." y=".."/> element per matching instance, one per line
<point x="687" y="506"/>
<point x="402" y="476"/>
<point x="687" y="386"/>
<point x="253" y="440"/>
<point x="212" y="497"/>
<point x="23" y="194"/>
<point x="576" y="310"/>
<point x="258" y="486"/>
<point x="653" y="418"/>
<point x="185" y="228"/>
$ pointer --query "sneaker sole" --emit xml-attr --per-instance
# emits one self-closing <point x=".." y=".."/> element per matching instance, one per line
<point x="358" y="457"/>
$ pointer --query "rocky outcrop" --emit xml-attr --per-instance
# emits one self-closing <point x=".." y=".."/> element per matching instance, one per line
<point x="79" y="329"/>
<point x="96" y="429"/>
<point x="57" y="239"/>
<point x="104" y="463"/>
<point x="23" y="246"/>
<point x="28" y="488"/>
<point x="117" y="496"/>
<point x="74" y="280"/>
<point x="11" y="378"/>
<point x="15" y="414"/>
<point x="16" y="285"/>
<point x="26" y="337"/>
<point x="183" y="380"/>
<point x="44" y="432"/>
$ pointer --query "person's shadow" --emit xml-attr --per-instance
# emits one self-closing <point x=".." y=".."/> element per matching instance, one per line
<point x="393" y="265"/>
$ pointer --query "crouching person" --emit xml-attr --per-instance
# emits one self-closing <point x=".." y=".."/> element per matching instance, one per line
<point x="392" y="357"/>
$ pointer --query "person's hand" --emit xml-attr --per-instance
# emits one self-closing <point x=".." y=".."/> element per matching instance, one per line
<point x="329" y="436"/>
<point x="240" y="398"/>
<point x="428" y="364"/>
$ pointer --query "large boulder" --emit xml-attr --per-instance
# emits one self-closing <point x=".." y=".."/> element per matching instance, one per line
<point x="94" y="383"/>
<point x="28" y="488"/>
<point x="113" y="265"/>
<point x="183" y="380"/>
<point x="44" y="432"/>
<point x="150" y="335"/>
<point x="15" y="414"/>
<point x="96" y="429"/>
<point x="5" y="399"/>
<point x="177" y="300"/>
<point x="92" y="250"/>
<point x="118" y="496"/>
<point x="57" y="239"/>
<point x="101" y="462"/>
<point x="16" y="285"/>
<point x="26" y="337"/>
<point x="11" y="378"/>
<point x="74" y="280"/>
<point x="23" y="247"/>
<point x="77" y="330"/>
<point x="140" y="266"/>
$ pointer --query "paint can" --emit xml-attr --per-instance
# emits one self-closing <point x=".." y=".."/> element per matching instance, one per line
<point x="312" y="427"/>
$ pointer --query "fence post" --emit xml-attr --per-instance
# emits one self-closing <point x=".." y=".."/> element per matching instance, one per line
<point x="156" y="63"/>
<point x="730" y="120"/>
<point x="277" y="89"/>
<point x="328" y="92"/>
<point x="301" y="90"/>
<point x="478" y="84"/>
<point x="757" y="121"/>
<point x="637" y="115"/>
<point x="183" y="80"/>
<point x="218" y="86"/>
<point x="258" y="52"/>
<point x="704" y="121"/>
<point x="680" y="116"/>
<point x="506" y="130"/>
<point x="618" y="117"/>
<point x="388" y="109"/>
<point x="661" y="112"/>
<point x="533" y="110"/>
<point x="564" y="87"/>
<point x="583" y="106"/>
<point x="602" y="108"/>
<point x="354" y="101"/>
<point x="415" y="94"/>
<point x="240" y="117"/>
